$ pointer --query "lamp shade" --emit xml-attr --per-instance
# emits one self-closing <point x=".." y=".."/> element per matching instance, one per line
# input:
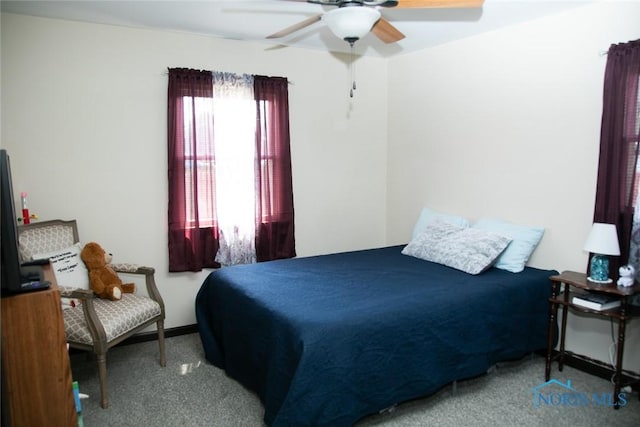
<point x="603" y="240"/>
<point x="352" y="22"/>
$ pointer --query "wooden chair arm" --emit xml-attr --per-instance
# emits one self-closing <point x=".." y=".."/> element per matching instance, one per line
<point x="81" y="294"/>
<point x="86" y="296"/>
<point x="96" y="329"/>
<point x="149" y="276"/>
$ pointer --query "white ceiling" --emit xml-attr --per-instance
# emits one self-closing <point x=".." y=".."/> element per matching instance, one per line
<point x="255" y="19"/>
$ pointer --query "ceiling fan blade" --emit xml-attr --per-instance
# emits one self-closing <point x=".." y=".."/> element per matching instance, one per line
<point x="405" y="4"/>
<point x="296" y="27"/>
<point x="386" y="32"/>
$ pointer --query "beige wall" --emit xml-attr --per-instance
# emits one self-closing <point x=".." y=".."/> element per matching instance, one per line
<point x="507" y="124"/>
<point x="84" y="120"/>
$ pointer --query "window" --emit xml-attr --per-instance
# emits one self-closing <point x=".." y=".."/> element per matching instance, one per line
<point x="615" y="192"/>
<point x="633" y="141"/>
<point x="230" y="191"/>
<point x="199" y="166"/>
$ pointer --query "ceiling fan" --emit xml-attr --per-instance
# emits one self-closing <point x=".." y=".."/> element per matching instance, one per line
<point x="353" y="19"/>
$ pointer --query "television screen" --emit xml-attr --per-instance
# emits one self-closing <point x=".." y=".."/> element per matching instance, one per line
<point x="15" y="279"/>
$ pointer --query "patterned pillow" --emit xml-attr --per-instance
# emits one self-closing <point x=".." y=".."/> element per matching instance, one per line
<point x="429" y="215"/>
<point x="467" y="249"/>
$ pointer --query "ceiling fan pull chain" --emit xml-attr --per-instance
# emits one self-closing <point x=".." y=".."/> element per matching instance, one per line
<point x="352" y="72"/>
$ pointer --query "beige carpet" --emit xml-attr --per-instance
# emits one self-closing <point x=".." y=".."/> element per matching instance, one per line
<point x="191" y="392"/>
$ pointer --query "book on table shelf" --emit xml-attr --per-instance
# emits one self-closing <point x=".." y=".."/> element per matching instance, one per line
<point x="594" y="301"/>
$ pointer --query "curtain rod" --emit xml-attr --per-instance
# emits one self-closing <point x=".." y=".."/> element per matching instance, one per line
<point x="166" y="73"/>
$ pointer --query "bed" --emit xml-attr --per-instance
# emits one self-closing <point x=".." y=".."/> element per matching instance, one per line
<point x="326" y="340"/>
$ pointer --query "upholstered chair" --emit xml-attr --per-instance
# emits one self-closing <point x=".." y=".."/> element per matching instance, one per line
<point x="92" y="324"/>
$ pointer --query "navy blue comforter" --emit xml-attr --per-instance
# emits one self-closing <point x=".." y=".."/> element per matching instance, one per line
<point x="326" y="340"/>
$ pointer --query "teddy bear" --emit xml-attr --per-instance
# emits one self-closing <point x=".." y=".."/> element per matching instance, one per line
<point x="627" y="275"/>
<point x="103" y="280"/>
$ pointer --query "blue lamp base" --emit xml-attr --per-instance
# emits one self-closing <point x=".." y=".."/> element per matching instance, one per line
<point x="599" y="269"/>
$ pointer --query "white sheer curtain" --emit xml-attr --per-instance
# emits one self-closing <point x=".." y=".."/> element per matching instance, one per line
<point x="634" y="250"/>
<point x="634" y="246"/>
<point x="234" y="141"/>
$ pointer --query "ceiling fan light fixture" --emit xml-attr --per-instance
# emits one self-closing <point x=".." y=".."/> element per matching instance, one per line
<point x="351" y="23"/>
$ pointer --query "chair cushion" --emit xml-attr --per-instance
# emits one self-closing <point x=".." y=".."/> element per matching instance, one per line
<point x="117" y="317"/>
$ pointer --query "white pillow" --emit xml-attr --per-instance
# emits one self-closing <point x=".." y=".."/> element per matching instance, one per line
<point x="463" y="248"/>
<point x="524" y="241"/>
<point x="427" y="216"/>
<point x="68" y="267"/>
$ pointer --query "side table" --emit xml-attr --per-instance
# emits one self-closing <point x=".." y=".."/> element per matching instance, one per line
<point x="575" y="284"/>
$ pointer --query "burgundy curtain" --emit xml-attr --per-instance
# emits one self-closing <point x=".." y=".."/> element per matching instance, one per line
<point x="619" y="144"/>
<point x="192" y="245"/>
<point x="274" y="189"/>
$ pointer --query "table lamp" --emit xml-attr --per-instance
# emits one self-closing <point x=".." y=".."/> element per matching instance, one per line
<point x="602" y="241"/>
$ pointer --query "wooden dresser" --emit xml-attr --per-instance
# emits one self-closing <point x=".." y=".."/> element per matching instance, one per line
<point x="36" y="375"/>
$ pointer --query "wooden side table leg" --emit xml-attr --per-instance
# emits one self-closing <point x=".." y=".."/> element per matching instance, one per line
<point x="552" y="318"/>
<point x="619" y="355"/>
<point x="553" y="314"/>
<point x="563" y="330"/>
